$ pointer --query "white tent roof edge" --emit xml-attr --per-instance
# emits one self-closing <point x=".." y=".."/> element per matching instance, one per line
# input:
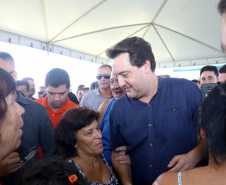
<point x="29" y="42"/>
<point x="37" y="44"/>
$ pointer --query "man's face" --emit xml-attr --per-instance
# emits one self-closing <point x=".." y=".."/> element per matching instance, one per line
<point x="32" y="87"/>
<point x="104" y="83"/>
<point x="79" y="95"/>
<point x="222" y="77"/>
<point x="57" y="96"/>
<point x="116" y="90"/>
<point x="208" y="77"/>
<point x="224" y="32"/>
<point x="23" y="88"/>
<point x="131" y="78"/>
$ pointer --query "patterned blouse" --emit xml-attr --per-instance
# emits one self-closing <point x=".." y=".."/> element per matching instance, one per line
<point x="113" y="179"/>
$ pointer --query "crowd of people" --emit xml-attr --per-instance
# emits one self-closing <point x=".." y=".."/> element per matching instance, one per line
<point x="130" y="127"/>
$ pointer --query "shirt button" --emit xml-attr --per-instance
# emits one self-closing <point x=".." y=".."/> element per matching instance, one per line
<point x="150" y="125"/>
<point x="53" y="115"/>
<point x="150" y="144"/>
<point x="149" y="105"/>
<point x="150" y="165"/>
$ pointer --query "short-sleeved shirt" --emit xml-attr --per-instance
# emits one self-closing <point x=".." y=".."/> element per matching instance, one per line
<point x="55" y="116"/>
<point x="105" y="129"/>
<point x="155" y="132"/>
<point x="92" y="99"/>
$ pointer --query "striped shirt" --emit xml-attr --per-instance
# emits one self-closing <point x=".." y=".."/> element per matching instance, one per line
<point x="92" y="99"/>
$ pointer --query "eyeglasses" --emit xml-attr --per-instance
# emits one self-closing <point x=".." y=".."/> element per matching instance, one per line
<point x="27" y="156"/>
<point x="106" y="76"/>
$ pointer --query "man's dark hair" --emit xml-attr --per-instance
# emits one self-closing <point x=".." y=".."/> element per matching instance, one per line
<point x="57" y="77"/>
<point x="85" y="89"/>
<point x="213" y="120"/>
<point x="196" y="81"/>
<point x="94" y="85"/>
<point x="210" y="68"/>
<point x="23" y="82"/>
<point x="139" y="51"/>
<point x="51" y="171"/>
<point x="222" y="69"/>
<point x="28" y="78"/>
<point x="222" y="6"/>
<point x="73" y="98"/>
<point x="80" y="86"/>
<point x="70" y="123"/>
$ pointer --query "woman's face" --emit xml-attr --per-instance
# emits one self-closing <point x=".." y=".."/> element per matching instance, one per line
<point x="89" y="139"/>
<point x="10" y="132"/>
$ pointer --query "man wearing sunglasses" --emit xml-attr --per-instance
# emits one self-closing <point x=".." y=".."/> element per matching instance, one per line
<point x="93" y="99"/>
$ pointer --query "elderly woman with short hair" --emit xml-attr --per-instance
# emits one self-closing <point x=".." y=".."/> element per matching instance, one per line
<point x="79" y="141"/>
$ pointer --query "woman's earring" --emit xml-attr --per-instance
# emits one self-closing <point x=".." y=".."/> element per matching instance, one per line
<point x="75" y="146"/>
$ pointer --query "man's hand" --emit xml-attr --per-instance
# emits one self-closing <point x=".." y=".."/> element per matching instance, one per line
<point x="189" y="160"/>
<point x="182" y="163"/>
<point x="9" y="164"/>
<point x="121" y="155"/>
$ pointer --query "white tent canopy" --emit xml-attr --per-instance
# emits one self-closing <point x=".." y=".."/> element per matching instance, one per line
<point x="181" y="32"/>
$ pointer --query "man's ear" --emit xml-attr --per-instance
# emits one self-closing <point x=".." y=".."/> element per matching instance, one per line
<point x="147" y="66"/>
<point x="14" y="75"/>
<point x="202" y="133"/>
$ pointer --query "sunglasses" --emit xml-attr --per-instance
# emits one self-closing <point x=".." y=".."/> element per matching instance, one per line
<point x="27" y="156"/>
<point x="106" y="76"/>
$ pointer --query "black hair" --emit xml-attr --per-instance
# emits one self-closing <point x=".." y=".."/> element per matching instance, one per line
<point x="222" y="6"/>
<point x="139" y="51"/>
<point x="7" y="86"/>
<point x="57" y="77"/>
<point x="81" y="86"/>
<point x="210" y="68"/>
<point x="51" y="171"/>
<point x="85" y="88"/>
<point x="196" y="81"/>
<point x="73" y="98"/>
<point x="23" y="82"/>
<point x="94" y="85"/>
<point x="213" y="120"/>
<point x="70" y="123"/>
<point x="222" y="69"/>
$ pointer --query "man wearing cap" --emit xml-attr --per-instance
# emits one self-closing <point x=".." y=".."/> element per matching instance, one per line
<point x="93" y="99"/>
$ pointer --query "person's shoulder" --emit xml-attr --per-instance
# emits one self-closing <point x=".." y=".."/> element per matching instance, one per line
<point x="88" y="94"/>
<point x="167" y="178"/>
<point x="104" y="105"/>
<point x="176" y="80"/>
<point x="39" y="100"/>
<point x="180" y="82"/>
<point x="35" y="105"/>
<point x="71" y="103"/>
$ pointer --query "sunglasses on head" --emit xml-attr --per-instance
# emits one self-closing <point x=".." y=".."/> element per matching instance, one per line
<point x="106" y="76"/>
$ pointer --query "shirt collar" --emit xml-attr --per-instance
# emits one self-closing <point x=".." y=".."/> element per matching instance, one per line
<point x="96" y="91"/>
<point x="21" y="99"/>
